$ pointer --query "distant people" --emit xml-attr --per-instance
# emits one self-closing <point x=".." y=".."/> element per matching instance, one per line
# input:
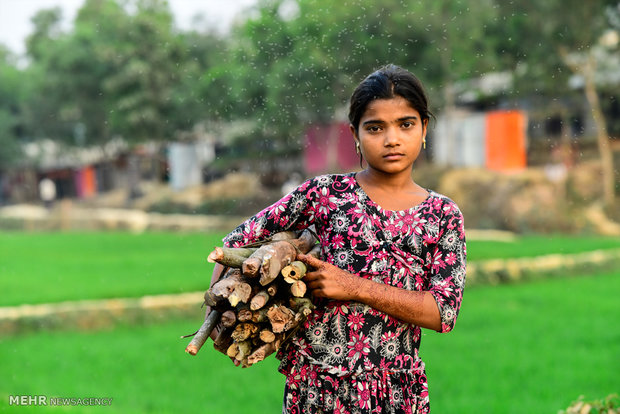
<point x="47" y="192"/>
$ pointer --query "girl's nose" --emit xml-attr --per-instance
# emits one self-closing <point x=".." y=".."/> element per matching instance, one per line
<point x="391" y="138"/>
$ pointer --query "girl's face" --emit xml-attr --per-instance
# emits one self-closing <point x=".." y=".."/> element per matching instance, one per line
<point x="390" y="135"/>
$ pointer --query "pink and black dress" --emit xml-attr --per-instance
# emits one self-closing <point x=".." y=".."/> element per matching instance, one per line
<point x="349" y="357"/>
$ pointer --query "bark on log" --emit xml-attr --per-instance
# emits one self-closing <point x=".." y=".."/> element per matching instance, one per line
<point x="251" y="266"/>
<point x="230" y="257"/>
<point x="305" y="242"/>
<point x="302" y="305"/>
<point x="280" y="254"/>
<point x="213" y="300"/>
<point x="232" y="287"/>
<point x="261" y="353"/>
<point x="203" y="333"/>
<point x="223" y="340"/>
<point x="277" y="255"/>
<point x="315" y="251"/>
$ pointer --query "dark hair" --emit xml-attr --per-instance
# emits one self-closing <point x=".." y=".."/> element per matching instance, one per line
<point x="386" y="83"/>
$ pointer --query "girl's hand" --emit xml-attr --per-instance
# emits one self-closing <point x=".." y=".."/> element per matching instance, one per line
<point x="328" y="281"/>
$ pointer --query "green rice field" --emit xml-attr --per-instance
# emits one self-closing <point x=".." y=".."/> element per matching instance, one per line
<point x="53" y="267"/>
<point x="521" y="348"/>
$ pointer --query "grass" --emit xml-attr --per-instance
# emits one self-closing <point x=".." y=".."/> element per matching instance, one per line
<point x="536" y="245"/>
<point x="525" y="348"/>
<point x="53" y="267"/>
<point x="528" y="348"/>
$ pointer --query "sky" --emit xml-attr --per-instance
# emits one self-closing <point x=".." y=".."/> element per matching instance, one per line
<point x="15" y="15"/>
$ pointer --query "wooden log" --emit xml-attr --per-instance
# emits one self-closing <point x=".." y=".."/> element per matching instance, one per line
<point x="259" y="300"/>
<point x="261" y="353"/>
<point x="282" y="253"/>
<point x="267" y="336"/>
<point x="302" y="305"/>
<point x="244" y="315"/>
<point x="280" y="317"/>
<point x="232" y="287"/>
<point x="244" y="331"/>
<point x="272" y="289"/>
<point x="315" y="251"/>
<point x="295" y="271"/>
<point x="245" y="349"/>
<point x="203" y="333"/>
<point x="230" y="257"/>
<point x="277" y="255"/>
<point x="284" y="235"/>
<point x="260" y="315"/>
<point x="223" y="340"/>
<point x="225" y="285"/>
<point x="233" y="350"/>
<point x="251" y="266"/>
<point x="305" y="242"/>
<point x="228" y="319"/>
<point x="298" y="288"/>
<point x="214" y="300"/>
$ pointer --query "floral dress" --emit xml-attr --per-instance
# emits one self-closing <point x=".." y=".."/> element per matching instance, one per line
<point x="349" y="357"/>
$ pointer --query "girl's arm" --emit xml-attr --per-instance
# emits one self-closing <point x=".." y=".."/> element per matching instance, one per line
<point x="329" y="281"/>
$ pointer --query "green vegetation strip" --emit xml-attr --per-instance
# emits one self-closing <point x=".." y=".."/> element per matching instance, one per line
<point x="56" y="267"/>
<point x="516" y="348"/>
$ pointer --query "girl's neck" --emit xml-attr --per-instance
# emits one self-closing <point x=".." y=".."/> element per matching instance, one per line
<point x="389" y="182"/>
<point x="393" y="192"/>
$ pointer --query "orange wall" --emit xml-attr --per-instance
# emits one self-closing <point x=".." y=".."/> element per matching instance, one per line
<point x="506" y="140"/>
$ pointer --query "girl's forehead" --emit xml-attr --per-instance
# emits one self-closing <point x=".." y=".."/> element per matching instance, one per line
<point x="396" y="107"/>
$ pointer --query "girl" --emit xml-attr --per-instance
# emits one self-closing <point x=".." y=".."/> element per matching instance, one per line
<point x="393" y="261"/>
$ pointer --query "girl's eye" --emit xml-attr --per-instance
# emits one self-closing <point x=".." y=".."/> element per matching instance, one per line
<point x="407" y="124"/>
<point x="373" y="128"/>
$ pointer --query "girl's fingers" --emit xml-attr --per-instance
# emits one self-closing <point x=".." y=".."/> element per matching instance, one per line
<point x="310" y="260"/>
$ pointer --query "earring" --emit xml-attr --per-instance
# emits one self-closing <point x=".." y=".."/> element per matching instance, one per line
<point x="357" y="147"/>
<point x="424" y="142"/>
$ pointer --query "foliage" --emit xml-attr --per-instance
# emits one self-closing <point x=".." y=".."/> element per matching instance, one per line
<point x="115" y="73"/>
<point x="11" y="100"/>
<point x="124" y="69"/>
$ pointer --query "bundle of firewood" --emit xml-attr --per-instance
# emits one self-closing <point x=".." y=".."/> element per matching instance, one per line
<point x="259" y="300"/>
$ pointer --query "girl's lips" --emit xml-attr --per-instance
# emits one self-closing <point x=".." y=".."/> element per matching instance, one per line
<point x="393" y="156"/>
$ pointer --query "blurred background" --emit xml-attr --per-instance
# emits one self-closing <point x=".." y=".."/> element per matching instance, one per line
<point x="134" y="134"/>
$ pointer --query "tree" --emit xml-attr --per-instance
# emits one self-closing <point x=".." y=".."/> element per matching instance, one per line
<point x="572" y="31"/>
<point x="11" y="100"/>
<point x="297" y="61"/>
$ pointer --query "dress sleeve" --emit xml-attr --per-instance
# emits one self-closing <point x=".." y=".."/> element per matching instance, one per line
<point x="448" y="266"/>
<point x="292" y="212"/>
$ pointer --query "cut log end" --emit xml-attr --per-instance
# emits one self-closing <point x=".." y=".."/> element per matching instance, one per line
<point x="192" y="349"/>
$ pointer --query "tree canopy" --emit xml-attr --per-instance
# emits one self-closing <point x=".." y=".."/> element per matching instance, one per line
<point x="124" y="69"/>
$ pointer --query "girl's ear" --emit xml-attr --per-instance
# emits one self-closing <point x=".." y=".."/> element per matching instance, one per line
<point x="352" y="128"/>
<point x="424" y="128"/>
